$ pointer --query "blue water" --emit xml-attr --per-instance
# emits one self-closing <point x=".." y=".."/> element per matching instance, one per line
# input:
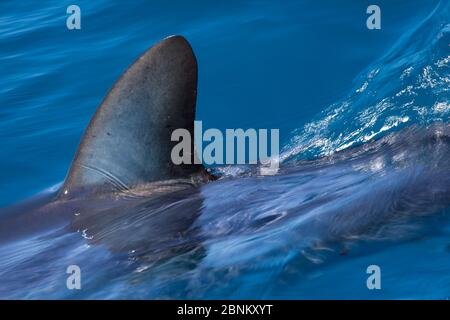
<point x="310" y="68"/>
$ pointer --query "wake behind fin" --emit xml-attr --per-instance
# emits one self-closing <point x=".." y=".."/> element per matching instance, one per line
<point x="128" y="141"/>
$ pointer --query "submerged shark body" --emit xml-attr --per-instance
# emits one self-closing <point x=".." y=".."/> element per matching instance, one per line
<point x="124" y="192"/>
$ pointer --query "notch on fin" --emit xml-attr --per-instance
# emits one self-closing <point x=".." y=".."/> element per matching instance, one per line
<point x="128" y="140"/>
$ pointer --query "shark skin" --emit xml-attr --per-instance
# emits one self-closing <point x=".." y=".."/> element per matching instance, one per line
<point x="127" y="143"/>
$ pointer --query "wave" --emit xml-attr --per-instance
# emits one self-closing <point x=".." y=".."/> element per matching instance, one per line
<point x="408" y="85"/>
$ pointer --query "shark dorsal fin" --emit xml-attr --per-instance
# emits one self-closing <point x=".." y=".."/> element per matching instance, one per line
<point x="128" y="141"/>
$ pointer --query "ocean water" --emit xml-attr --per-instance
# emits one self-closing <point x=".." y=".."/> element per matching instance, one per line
<point x="311" y="69"/>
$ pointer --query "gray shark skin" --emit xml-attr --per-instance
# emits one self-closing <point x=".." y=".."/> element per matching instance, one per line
<point x="127" y="142"/>
<point x="122" y="190"/>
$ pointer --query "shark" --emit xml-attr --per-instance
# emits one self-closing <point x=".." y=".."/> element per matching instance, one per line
<point x="126" y="146"/>
<point x="123" y="191"/>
